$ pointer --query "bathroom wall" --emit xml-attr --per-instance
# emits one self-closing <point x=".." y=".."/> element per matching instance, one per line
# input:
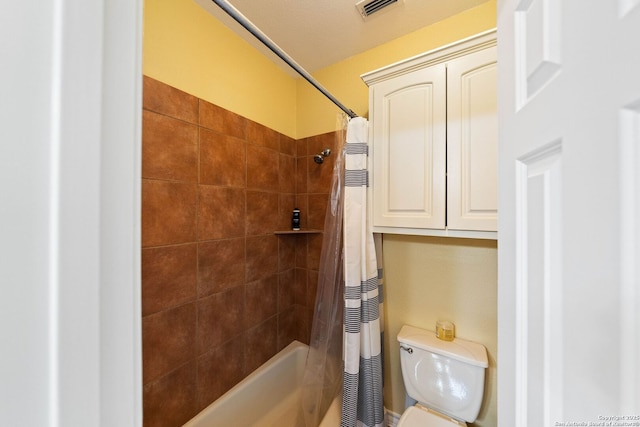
<point x="186" y="47"/>
<point x="342" y="79"/>
<point x="433" y="278"/>
<point x="426" y="278"/>
<point x="221" y="293"/>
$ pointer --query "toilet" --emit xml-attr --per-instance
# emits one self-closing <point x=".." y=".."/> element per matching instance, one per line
<point x="444" y="378"/>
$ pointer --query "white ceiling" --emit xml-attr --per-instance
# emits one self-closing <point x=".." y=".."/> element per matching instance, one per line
<point x="318" y="33"/>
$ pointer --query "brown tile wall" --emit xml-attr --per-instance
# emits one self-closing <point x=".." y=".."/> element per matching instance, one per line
<point x="221" y="293"/>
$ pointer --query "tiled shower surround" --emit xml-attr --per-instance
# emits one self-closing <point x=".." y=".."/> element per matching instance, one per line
<point x="221" y="293"/>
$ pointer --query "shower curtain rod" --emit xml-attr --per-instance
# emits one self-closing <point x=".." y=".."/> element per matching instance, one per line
<point x="248" y="25"/>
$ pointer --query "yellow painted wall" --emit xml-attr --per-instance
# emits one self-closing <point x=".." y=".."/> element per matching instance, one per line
<point x="426" y="278"/>
<point x="436" y="278"/>
<point x="317" y="115"/>
<point x="187" y="48"/>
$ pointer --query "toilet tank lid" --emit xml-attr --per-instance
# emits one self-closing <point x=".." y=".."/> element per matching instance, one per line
<point x="459" y="349"/>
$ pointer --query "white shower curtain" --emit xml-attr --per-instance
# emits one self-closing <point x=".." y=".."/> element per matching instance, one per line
<point x="362" y="403"/>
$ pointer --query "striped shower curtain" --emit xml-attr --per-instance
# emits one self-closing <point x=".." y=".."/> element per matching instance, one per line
<point x="362" y="403"/>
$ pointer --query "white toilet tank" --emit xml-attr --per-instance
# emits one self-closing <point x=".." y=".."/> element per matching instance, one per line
<point x="447" y="376"/>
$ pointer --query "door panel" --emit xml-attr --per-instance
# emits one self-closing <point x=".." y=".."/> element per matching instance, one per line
<point x="411" y="150"/>
<point x="539" y="342"/>
<point x="630" y="255"/>
<point x="472" y="135"/>
<point x="538" y="37"/>
<point x="569" y="138"/>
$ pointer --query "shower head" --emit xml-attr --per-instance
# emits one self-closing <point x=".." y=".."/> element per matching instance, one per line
<point x="319" y="158"/>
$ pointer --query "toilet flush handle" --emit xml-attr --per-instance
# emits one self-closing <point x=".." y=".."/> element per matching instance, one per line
<point x="407" y="349"/>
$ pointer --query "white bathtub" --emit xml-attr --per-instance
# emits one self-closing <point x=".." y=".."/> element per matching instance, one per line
<point x="268" y="397"/>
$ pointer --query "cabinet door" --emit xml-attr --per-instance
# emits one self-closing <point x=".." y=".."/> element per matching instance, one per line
<point x="472" y="142"/>
<point x="409" y="152"/>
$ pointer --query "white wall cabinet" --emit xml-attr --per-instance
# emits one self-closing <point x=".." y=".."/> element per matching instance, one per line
<point x="434" y="139"/>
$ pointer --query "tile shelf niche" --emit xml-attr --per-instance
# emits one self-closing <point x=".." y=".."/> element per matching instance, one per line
<point x="302" y="231"/>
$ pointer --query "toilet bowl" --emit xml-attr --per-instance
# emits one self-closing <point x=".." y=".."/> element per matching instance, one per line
<point x="445" y="378"/>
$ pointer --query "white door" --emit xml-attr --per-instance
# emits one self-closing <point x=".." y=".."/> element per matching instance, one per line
<point x="70" y="125"/>
<point x="569" y="237"/>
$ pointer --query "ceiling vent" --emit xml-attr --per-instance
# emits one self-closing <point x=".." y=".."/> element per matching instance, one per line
<point x="369" y="7"/>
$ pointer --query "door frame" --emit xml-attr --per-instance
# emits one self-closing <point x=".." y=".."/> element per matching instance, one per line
<point x="70" y="188"/>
